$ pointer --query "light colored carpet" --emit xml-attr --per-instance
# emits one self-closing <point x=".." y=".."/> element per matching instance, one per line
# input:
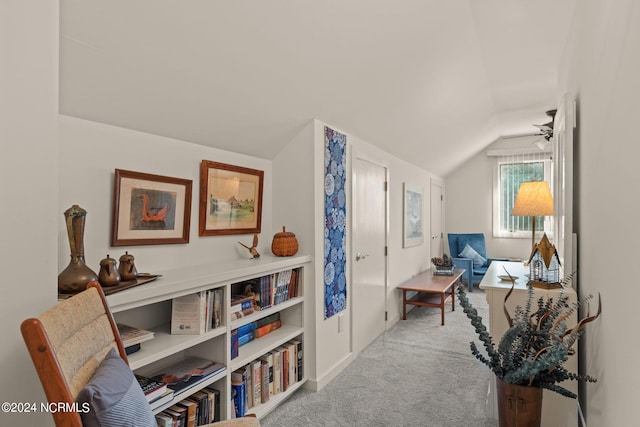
<point x="418" y="373"/>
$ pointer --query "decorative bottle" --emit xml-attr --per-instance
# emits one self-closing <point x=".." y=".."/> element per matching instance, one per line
<point x="77" y="275"/>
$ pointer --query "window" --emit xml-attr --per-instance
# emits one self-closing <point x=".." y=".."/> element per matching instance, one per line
<point x="510" y="172"/>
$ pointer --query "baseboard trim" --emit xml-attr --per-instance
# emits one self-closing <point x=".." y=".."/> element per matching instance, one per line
<point x="319" y="383"/>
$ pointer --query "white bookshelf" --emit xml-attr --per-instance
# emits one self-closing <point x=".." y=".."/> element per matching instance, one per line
<point x="149" y="306"/>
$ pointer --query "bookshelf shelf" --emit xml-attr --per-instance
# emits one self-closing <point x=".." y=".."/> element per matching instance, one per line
<point x="149" y="306"/>
<point x="264" y="408"/>
<point x="183" y="394"/>
<point x="266" y="312"/>
<point x="164" y="344"/>
<point x="259" y="346"/>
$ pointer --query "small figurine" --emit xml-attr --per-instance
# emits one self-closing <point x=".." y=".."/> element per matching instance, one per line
<point x="252" y="250"/>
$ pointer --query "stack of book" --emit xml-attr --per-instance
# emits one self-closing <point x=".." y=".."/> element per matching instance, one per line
<point x="241" y="306"/>
<point x="267" y="376"/>
<point x="198" y="313"/>
<point x="132" y="337"/>
<point x="253" y="330"/>
<point x="187" y="372"/>
<point x="272" y="289"/>
<point x="156" y="392"/>
<point x="203" y="407"/>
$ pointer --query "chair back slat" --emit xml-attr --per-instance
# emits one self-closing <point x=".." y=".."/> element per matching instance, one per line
<point x="67" y="344"/>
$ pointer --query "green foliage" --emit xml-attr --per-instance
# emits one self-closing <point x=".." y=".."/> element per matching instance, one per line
<point x="533" y="350"/>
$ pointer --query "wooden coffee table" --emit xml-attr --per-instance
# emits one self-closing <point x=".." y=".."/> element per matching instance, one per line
<point x="433" y="290"/>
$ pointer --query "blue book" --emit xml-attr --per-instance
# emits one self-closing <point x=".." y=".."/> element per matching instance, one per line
<point x="238" y="392"/>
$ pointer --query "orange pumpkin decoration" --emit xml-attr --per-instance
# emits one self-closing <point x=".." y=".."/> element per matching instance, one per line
<point x="284" y="243"/>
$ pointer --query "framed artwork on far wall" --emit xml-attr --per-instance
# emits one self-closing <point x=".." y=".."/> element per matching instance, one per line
<point x="413" y="223"/>
<point x="150" y="209"/>
<point x="230" y="199"/>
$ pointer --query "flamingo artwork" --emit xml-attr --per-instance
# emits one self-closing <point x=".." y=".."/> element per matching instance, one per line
<point x="152" y="214"/>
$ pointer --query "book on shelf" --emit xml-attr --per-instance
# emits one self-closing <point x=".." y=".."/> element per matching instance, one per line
<point x="245" y="338"/>
<point x="284" y="373"/>
<point x="214" y="402"/>
<point x="161" y="400"/>
<point x="277" y="371"/>
<point x="191" y="408"/>
<point x="188" y="372"/>
<point x="299" y="366"/>
<point x="188" y="314"/>
<point x="238" y="394"/>
<point x="132" y="349"/>
<point x="150" y="387"/>
<point x="201" y="399"/>
<point x="269" y="382"/>
<point x="176" y="416"/>
<point x="182" y="414"/>
<point x="266" y="320"/>
<point x="235" y="345"/>
<point x="292" y="360"/>
<point x="164" y="420"/>
<point x="270" y="327"/>
<point x="256" y="381"/>
<point x="217" y="307"/>
<point x="241" y="306"/>
<point x="264" y="386"/>
<point x="130" y="335"/>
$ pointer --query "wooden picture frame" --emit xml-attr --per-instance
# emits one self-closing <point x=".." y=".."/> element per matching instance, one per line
<point x="150" y="209"/>
<point x="230" y="199"/>
<point x="413" y="218"/>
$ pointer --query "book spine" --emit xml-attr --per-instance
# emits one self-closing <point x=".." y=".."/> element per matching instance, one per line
<point x="264" y="388"/>
<point x="235" y="346"/>
<point x="256" y="376"/>
<point x="260" y="332"/>
<point x="277" y="371"/>
<point x="237" y="392"/>
<point x="293" y="363"/>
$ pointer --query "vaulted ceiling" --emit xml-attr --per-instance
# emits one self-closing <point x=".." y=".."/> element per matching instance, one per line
<point x="432" y="82"/>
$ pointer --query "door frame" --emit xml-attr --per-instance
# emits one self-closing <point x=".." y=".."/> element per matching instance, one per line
<point x="443" y="244"/>
<point x="359" y="156"/>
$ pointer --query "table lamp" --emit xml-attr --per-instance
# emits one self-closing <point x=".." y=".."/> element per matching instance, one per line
<point x="533" y="199"/>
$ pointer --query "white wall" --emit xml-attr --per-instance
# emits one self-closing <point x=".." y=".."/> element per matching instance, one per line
<point x="28" y="168"/>
<point x="469" y="206"/>
<point x="600" y="70"/>
<point x="89" y="154"/>
<point x="333" y="349"/>
<point x="294" y="207"/>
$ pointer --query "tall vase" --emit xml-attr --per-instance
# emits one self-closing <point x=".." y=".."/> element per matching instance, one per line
<point x="77" y="275"/>
<point x="519" y="405"/>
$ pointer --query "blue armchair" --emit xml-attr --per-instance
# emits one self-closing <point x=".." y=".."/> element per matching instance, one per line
<point x="473" y="260"/>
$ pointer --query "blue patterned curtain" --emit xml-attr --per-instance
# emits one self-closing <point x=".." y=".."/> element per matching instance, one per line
<point x="335" y="213"/>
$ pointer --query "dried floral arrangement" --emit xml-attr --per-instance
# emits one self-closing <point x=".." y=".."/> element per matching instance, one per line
<point x="444" y="262"/>
<point x="537" y="344"/>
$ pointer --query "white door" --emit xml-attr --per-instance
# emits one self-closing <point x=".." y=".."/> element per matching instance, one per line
<point x="437" y="243"/>
<point x="368" y="258"/>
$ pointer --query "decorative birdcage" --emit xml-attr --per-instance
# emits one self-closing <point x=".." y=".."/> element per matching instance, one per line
<point x="544" y="266"/>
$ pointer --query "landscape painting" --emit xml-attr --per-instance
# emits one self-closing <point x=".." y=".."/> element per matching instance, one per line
<point x="230" y="199"/>
<point x="413" y="205"/>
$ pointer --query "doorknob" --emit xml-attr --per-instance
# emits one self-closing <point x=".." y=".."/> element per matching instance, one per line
<point x="360" y="256"/>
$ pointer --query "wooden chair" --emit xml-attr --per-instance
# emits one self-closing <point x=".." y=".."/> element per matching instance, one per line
<point x="67" y="344"/>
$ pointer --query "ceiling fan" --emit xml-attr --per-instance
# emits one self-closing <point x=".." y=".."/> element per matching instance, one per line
<point x="546" y="131"/>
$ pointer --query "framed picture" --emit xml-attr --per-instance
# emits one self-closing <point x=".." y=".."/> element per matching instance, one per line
<point x="413" y="230"/>
<point x="150" y="209"/>
<point x="230" y="199"/>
